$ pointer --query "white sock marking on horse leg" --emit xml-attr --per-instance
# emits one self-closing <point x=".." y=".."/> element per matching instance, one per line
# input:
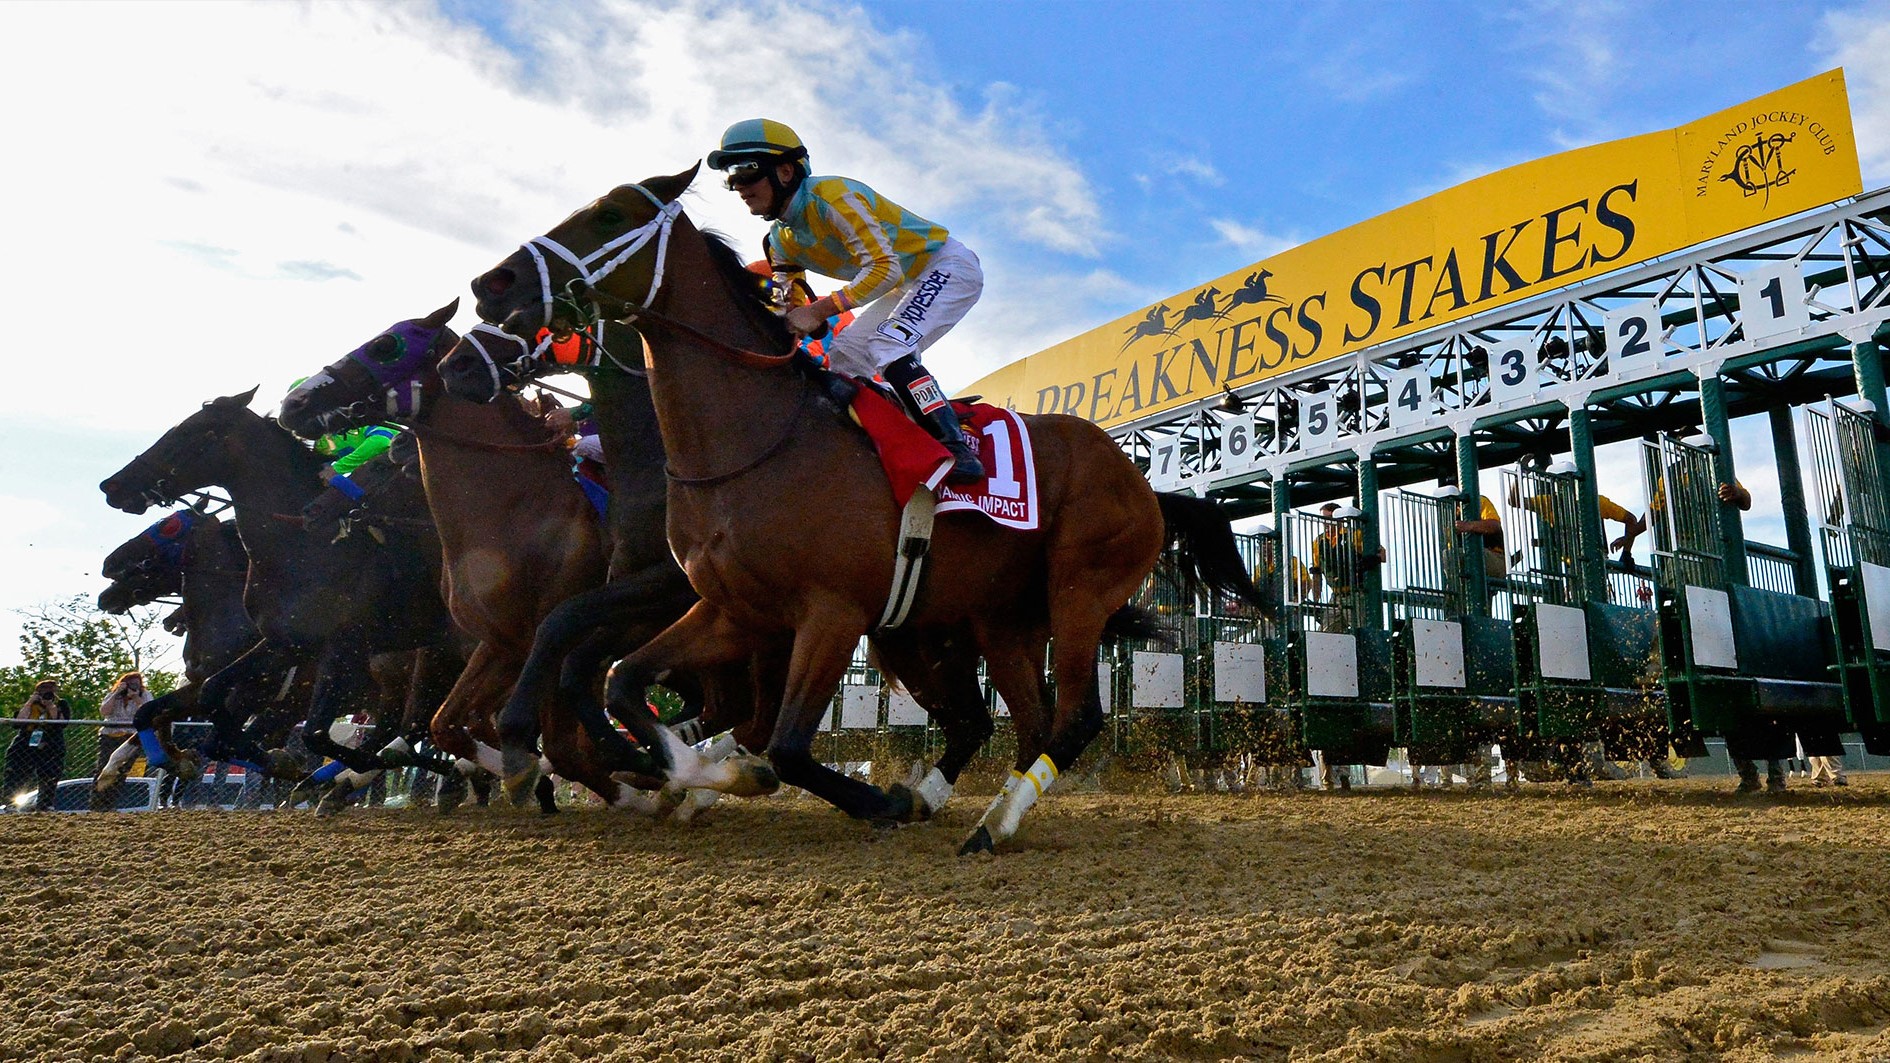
<point x="720" y="748"/>
<point x="686" y="766"/>
<point x="631" y="799"/>
<point x="694" y="803"/>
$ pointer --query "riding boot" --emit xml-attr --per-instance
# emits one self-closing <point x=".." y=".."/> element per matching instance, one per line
<point x="927" y="405"/>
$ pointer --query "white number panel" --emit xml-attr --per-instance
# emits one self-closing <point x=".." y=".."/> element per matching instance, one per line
<point x="1318" y="421"/>
<point x="1772" y="301"/>
<point x="1407" y="397"/>
<point x="1512" y="373"/>
<point x="1634" y="337"/>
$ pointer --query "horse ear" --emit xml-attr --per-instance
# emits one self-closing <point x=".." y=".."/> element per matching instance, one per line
<point x="236" y="400"/>
<point x="669" y="188"/>
<point x="440" y="317"/>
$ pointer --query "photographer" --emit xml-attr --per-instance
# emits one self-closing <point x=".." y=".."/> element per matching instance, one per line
<point x="38" y="750"/>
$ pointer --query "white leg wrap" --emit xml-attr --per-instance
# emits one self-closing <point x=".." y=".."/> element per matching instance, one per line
<point x="995" y="808"/>
<point x="355" y="780"/>
<point x="719" y="748"/>
<point x="490" y="759"/>
<point x="1020" y="793"/>
<point x="465" y="767"/>
<point x="544" y="765"/>
<point x="398" y="747"/>
<point x="933" y="790"/>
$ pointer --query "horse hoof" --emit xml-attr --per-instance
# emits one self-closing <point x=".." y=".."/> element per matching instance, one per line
<point x="520" y="788"/>
<point x="979" y="842"/>
<point x="332" y="802"/>
<point x="547" y="796"/>
<point x="693" y="804"/>
<point x="753" y="777"/>
<point x="904" y="806"/>
<point x="282" y="765"/>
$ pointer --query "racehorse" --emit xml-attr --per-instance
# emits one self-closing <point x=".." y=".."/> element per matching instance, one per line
<point x="518" y="536"/>
<point x="648" y="590"/>
<point x="782" y="519"/>
<point x="335" y="604"/>
<point x="200" y="557"/>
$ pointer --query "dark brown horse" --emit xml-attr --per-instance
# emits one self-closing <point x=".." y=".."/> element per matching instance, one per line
<point x="782" y="519"/>
<point x="335" y="604"/>
<point x="648" y="591"/>
<point x="516" y="533"/>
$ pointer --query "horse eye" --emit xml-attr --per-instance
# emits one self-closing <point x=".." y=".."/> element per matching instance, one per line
<point x="609" y="218"/>
<point x="387" y="348"/>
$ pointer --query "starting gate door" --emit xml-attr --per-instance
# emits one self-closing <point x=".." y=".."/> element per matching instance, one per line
<point x="1853" y="512"/>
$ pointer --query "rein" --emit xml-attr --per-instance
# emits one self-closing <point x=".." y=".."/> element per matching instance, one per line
<point x="787" y="433"/>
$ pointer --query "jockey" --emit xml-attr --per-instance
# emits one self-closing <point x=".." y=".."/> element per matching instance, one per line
<point x="349" y="450"/>
<point x="909" y="279"/>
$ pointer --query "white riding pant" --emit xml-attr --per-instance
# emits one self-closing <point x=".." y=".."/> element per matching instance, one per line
<point x="912" y="317"/>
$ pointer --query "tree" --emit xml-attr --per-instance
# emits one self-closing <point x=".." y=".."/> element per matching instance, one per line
<point x="86" y="650"/>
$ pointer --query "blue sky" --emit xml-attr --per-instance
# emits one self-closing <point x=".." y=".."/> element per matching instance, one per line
<point x="239" y="193"/>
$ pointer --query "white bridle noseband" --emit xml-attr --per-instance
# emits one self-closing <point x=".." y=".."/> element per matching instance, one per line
<point x="625" y="246"/>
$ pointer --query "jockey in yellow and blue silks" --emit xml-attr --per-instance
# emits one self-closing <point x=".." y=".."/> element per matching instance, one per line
<point x="909" y="279"/>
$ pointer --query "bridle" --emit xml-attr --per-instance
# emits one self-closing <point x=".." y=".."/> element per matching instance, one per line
<point x="581" y="296"/>
<point x="625" y="247"/>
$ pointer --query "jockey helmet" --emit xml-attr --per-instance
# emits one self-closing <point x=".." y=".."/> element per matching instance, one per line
<point x="758" y="141"/>
<point x="752" y="150"/>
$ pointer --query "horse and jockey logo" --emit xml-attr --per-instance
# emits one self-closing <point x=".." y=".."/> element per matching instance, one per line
<point x="1252" y="292"/>
<point x="1759" y="167"/>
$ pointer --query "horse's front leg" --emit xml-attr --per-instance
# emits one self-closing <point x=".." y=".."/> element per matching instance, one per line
<point x="703" y="638"/>
<point x="822" y="648"/>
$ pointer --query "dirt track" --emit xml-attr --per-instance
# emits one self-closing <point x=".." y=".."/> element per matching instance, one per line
<point x="1638" y="922"/>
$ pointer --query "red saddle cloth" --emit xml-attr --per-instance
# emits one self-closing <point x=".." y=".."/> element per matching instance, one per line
<point x="910" y="456"/>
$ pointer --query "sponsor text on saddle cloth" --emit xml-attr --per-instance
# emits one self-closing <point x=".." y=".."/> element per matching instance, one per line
<point x="911" y="458"/>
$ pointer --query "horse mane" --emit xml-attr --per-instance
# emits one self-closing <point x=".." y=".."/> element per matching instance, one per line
<point x="749" y="290"/>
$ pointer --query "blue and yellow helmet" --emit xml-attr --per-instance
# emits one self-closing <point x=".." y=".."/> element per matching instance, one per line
<point x="757" y="140"/>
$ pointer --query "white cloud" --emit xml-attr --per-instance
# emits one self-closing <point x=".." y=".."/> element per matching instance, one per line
<point x="1859" y="41"/>
<point x="237" y="194"/>
<point x="1252" y="241"/>
<point x="1570" y="50"/>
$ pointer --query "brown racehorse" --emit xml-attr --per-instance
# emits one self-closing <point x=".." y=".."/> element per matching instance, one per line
<point x="516" y="533"/>
<point x="781" y="517"/>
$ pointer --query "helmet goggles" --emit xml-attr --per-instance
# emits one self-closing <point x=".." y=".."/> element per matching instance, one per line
<point x="746" y="172"/>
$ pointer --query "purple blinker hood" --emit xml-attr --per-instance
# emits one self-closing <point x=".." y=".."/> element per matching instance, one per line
<point x="398" y="373"/>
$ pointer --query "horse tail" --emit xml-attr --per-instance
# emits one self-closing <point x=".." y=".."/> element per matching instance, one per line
<point x="1205" y="553"/>
<point x="1134" y="622"/>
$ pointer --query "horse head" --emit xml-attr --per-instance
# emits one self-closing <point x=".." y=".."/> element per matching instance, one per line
<point x="387" y="377"/>
<point x="612" y="251"/>
<point x="488" y="360"/>
<point x="184" y="458"/>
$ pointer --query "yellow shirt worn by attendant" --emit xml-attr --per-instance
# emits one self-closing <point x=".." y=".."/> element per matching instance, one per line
<point x="1543" y="506"/>
<point x="840" y="228"/>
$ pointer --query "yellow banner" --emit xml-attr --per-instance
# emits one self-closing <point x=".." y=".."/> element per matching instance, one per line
<point x="1498" y="239"/>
